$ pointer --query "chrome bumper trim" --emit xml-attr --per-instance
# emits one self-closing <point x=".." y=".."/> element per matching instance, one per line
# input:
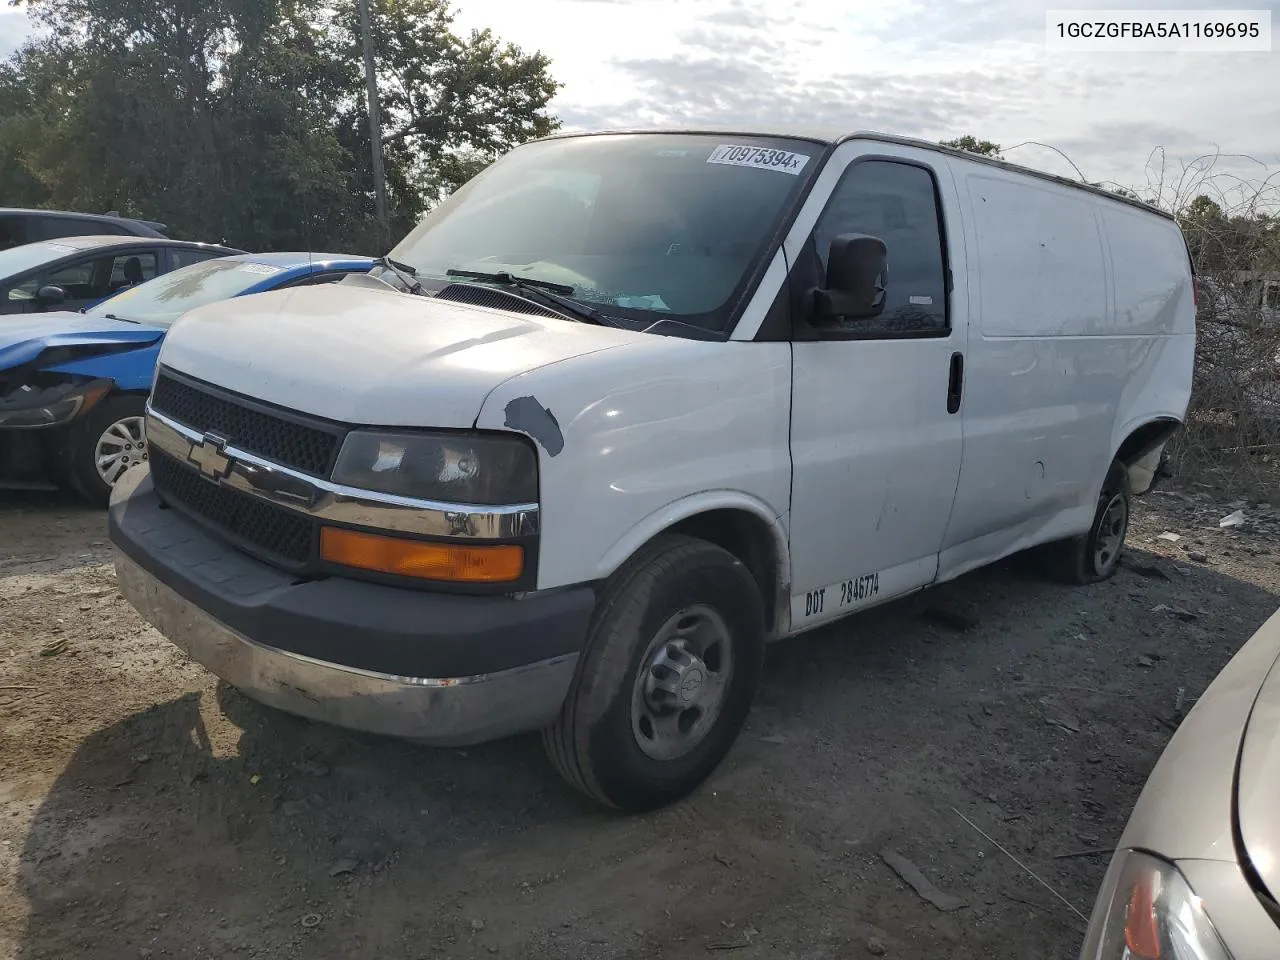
<point x="324" y="500"/>
<point x="453" y="711"/>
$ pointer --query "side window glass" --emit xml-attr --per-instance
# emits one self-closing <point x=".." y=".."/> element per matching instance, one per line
<point x="897" y="203"/>
<point x="184" y="258"/>
<point x="52" y="228"/>
<point x="131" y="269"/>
<point x="13" y="232"/>
<point x="75" y="278"/>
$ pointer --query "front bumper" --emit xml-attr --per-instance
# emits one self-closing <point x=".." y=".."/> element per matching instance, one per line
<point x="442" y="669"/>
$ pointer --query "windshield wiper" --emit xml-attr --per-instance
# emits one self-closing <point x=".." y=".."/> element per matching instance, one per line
<point x="112" y="316"/>
<point x="546" y="291"/>
<point x="402" y="272"/>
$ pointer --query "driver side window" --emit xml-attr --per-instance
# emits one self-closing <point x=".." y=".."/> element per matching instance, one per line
<point x="897" y="203"/>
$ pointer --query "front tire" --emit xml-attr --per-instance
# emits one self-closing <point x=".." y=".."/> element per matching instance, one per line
<point x="671" y="664"/>
<point x="104" y="443"/>
<point x="1095" y="556"/>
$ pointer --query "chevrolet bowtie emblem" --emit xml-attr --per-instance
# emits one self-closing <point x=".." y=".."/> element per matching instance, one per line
<point x="210" y="456"/>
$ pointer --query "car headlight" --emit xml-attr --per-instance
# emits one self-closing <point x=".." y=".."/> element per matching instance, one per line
<point x="30" y="407"/>
<point x="1147" y="911"/>
<point x="455" y="468"/>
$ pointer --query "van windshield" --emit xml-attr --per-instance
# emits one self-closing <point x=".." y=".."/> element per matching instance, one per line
<point x="641" y="226"/>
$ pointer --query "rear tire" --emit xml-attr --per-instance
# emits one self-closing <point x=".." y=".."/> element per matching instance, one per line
<point x="671" y="664"/>
<point x="1096" y="555"/>
<point x="103" y="444"/>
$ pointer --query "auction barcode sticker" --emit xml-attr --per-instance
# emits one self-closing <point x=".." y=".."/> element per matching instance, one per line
<point x="764" y="158"/>
<point x="1159" y="31"/>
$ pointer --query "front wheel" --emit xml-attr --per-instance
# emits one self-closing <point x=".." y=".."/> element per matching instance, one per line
<point x="104" y="443"/>
<point x="664" y="685"/>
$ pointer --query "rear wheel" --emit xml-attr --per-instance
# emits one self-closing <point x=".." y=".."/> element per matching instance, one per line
<point x="104" y="443"/>
<point x="1095" y="556"/>
<point x="671" y="664"/>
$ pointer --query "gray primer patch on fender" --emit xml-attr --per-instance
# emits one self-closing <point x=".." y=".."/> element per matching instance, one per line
<point x="527" y="415"/>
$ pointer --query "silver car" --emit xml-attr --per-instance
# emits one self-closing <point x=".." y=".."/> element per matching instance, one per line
<point x="1197" y="870"/>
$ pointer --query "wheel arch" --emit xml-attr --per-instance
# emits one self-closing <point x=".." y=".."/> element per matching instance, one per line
<point x="741" y="524"/>
<point x="1139" y="451"/>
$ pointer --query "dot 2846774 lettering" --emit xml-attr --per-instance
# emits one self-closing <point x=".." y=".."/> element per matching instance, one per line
<point x="851" y="592"/>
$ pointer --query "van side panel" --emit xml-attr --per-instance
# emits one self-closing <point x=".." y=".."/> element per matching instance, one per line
<point x="1041" y="259"/>
<point x="1070" y="340"/>
<point x="1154" y="296"/>
<point x="650" y="434"/>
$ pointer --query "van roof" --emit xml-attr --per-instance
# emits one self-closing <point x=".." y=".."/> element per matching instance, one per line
<point x="832" y="136"/>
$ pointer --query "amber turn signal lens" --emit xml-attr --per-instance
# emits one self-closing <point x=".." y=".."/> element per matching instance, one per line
<point x="493" y="563"/>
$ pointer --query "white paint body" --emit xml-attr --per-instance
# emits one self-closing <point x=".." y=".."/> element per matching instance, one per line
<point x="1074" y="314"/>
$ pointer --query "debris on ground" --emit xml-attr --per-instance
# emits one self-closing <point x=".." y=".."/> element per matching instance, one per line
<point x="1180" y="612"/>
<point x="1198" y="557"/>
<point x="1150" y="571"/>
<point x="921" y="884"/>
<point x="1090" y="852"/>
<point x="1169" y="537"/>
<point x="736" y="944"/>
<point x="876" y="947"/>
<point x="310" y="920"/>
<point x="1232" y="519"/>
<point x="345" y="865"/>
<point x="775" y="739"/>
<point x="54" y="648"/>
<point x="949" y="617"/>
<point x="1145" y="661"/>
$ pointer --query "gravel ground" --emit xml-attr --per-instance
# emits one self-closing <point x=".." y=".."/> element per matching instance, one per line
<point x="148" y="811"/>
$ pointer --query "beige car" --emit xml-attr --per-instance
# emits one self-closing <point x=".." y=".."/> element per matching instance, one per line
<point x="1197" y="870"/>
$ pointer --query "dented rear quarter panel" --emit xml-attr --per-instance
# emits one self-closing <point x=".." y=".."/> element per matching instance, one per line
<point x="638" y="438"/>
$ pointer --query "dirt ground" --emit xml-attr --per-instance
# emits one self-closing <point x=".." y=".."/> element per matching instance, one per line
<point x="148" y="811"/>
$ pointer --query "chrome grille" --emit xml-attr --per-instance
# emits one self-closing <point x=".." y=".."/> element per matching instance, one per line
<point x="284" y="440"/>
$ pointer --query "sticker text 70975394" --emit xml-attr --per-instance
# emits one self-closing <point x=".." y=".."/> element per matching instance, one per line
<point x="763" y="158"/>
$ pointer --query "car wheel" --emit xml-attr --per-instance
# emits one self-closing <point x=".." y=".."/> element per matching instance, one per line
<point x="104" y="443"/>
<point x="1095" y="556"/>
<point x="663" y="687"/>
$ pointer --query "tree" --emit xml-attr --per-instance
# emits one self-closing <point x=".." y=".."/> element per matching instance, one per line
<point x="243" y="121"/>
<point x="971" y="144"/>
<point x="449" y="104"/>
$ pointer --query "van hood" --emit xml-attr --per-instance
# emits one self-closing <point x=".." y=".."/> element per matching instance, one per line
<point x="361" y="355"/>
<point x="24" y="338"/>
<point x="1258" y="782"/>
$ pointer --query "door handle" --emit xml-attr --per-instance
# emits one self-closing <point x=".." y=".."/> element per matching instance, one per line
<point x="955" y="384"/>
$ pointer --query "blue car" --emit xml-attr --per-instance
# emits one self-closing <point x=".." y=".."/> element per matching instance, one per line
<point x="73" y="386"/>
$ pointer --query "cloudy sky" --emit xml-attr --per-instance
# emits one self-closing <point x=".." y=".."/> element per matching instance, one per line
<point x="934" y="70"/>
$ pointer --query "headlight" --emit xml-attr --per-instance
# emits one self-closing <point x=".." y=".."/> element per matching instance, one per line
<point x="30" y="407"/>
<point x="455" y="468"/>
<point x="1147" y="911"/>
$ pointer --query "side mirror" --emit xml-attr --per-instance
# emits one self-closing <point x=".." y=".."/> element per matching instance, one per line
<point x="857" y="272"/>
<point x="50" y="295"/>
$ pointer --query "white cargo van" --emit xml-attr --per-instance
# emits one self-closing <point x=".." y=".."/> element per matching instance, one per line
<point x="628" y="406"/>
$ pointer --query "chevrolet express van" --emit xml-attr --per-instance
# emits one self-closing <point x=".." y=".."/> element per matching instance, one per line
<point x="628" y="406"/>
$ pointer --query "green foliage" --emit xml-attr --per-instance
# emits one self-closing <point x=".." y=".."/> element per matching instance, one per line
<point x="971" y="144"/>
<point x="1221" y="242"/>
<point x="244" y="121"/>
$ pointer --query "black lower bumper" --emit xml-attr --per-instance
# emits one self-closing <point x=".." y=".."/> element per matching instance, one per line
<point x="387" y="630"/>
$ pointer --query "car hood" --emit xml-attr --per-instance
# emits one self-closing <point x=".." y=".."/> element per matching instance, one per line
<point x="1188" y="808"/>
<point x="364" y="355"/>
<point x="24" y="338"/>
<point x="1258" y="783"/>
